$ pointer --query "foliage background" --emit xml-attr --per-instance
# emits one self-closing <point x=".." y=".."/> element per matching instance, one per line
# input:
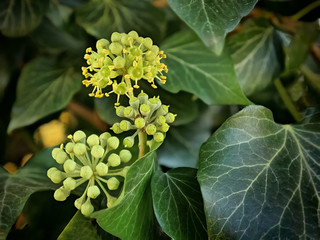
<point x="231" y="55"/>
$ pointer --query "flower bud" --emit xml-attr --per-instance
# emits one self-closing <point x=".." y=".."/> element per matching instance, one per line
<point x="133" y="34"/>
<point x="163" y="110"/>
<point x="165" y="127"/>
<point x="170" y="117"/>
<point x="102" y="169"/>
<point x="113" y="183"/>
<point x="144" y="109"/>
<point x="69" y="183"/>
<point x="79" y="136"/>
<point x="92" y="140"/>
<point x="148" y="43"/>
<point x="116" y="128"/>
<point x="61" y="194"/>
<point x="87" y="208"/>
<point x="102" y="44"/>
<point x="69" y="166"/>
<point x="113" y="143"/>
<point x="56" y="176"/>
<point x="119" y="62"/>
<point x="139" y="122"/>
<point x="154" y="103"/>
<point x="97" y="151"/>
<point x="119" y="111"/>
<point x="80" y="149"/>
<point x="115" y="37"/>
<point x="111" y="201"/>
<point x="55" y="152"/>
<point x="61" y="157"/>
<point x="104" y="138"/>
<point x="125" y="125"/>
<point x="134" y="103"/>
<point x="143" y="97"/>
<point x="151" y="129"/>
<point x="93" y="192"/>
<point x="128" y="142"/>
<point x="125" y="171"/>
<point x="51" y="171"/>
<point x="125" y="155"/>
<point x="69" y="147"/>
<point x="78" y="202"/>
<point x="86" y="172"/>
<point x="115" y="48"/>
<point x="161" y="120"/>
<point x="128" y="112"/>
<point x="158" y="137"/>
<point x="114" y="160"/>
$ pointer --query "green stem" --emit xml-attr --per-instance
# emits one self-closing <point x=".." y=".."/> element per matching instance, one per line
<point x="306" y="10"/>
<point x="287" y="100"/>
<point x="142" y="136"/>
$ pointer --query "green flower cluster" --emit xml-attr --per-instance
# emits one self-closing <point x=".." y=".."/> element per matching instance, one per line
<point x="144" y="114"/>
<point x="126" y="58"/>
<point x="89" y="159"/>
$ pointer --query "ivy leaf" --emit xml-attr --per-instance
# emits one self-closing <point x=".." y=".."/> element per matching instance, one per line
<point x="20" y="17"/>
<point x="101" y="18"/>
<point x="298" y="49"/>
<point x="178" y="204"/>
<point x="212" y="19"/>
<point x="16" y="188"/>
<point x="257" y="54"/>
<point x="194" y="69"/>
<point x="124" y="219"/>
<point x="260" y="179"/>
<point x="79" y="228"/>
<point x="44" y="87"/>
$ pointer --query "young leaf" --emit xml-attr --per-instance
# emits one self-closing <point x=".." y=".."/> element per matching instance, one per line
<point x="257" y="54"/>
<point x="212" y="19"/>
<point x="16" y="188"/>
<point x="101" y="18"/>
<point x="79" y="228"/>
<point x="178" y="204"/>
<point x="132" y="218"/>
<point x="194" y="69"/>
<point x="260" y="179"/>
<point x="44" y="87"/>
<point x="20" y="17"/>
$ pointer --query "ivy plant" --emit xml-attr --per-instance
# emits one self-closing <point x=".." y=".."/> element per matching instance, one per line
<point x="156" y="119"/>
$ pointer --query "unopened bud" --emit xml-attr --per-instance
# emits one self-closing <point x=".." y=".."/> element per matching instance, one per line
<point x="151" y="129"/>
<point x="163" y="110"/>
<point x="93" y="192"/>
<point x="78" y="202"/>
<point x="128" y="142"/>
<point x="80" y="149"/>
<point x="102" y="169"/>
<point x="69" y="183"/>
<point x="93" y="140"/>
<point x="139" y="122"/>
<point x="119" y="62"/>
<point x="104" y="139"/>
<point x="158" y="137"/>
<point x="113" y="143"/>
<point x="114" y="160"/>
<point x="69" y="147"/>
<point x="113" y="183"/>
<point x="119" y="111"/>
<point x="56" y="176"/>
<point x="116" y="128"/>
<point x="125" y="171"/>
<point x="165" y="127"/>
<point x="79" y="136"/>
<point x="69" y="166"/>
<point x="55" y="152"/>
<point x="128" y="112"/>
<point x="61" y="194"/>
<point x="170" y="117"/>
<point x="97" y="151"/>
<point x="86" y="172"/>
<point x="125" y="155"/>
<point x="87" y="208"/>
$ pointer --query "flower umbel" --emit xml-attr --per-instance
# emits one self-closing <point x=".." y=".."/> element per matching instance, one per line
<point x="88" y="159"/>
<point x="122" y="63"/>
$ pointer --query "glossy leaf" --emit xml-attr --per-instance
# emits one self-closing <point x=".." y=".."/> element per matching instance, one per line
<point x="212" y="19"/>
<point x="194" y="69"/>
<point x="178" y="204"/>
<point x="79" y="228"/>
<point x="132" y="218"/>
<point x="44" y="87"/>
<point x="16" y="188"/>
<point x="260" y="179"/>
<point x="101" y="18"/>
<point x="257" y="54"/>
<point x="20" y="17"/>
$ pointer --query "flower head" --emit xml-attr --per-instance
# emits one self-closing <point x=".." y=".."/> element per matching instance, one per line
<point x="125" y="60"/>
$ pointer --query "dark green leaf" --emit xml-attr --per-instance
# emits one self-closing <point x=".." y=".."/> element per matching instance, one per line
<point x="16" y="188"/>
<point x="194" y="69"/>
<point x="20" y="17"/>
<point x="257" y="54"/>
<point x="44" y="87"/>
<point x="79" y="228"/>
<point x="178" y="204"/>
<point x="212" y="19"/>
<point x="132" y="218"/>
<point x="260" y="179"/>
<point x="101" y="18"/>
<point x="299" y="47"/>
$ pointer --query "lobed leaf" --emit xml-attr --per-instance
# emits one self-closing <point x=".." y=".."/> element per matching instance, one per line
<point x="20" y="17"/>
<point x="257" y="55"/>
<point x="194" y="69"/>
<point x="178" y="204"/>
<point x="260" y="179"/>
<point x="212" y="19"/>
<point x="44" y="87"/>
